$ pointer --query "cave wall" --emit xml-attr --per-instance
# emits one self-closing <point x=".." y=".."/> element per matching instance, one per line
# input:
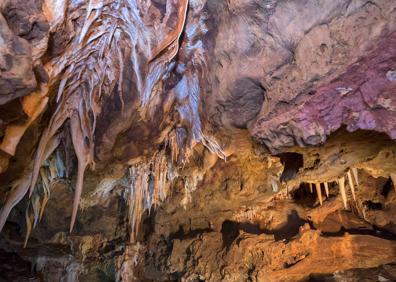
<point x="198" y="140"/>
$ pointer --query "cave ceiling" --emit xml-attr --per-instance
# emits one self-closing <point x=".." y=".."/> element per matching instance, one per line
<point x="197" y="140"/>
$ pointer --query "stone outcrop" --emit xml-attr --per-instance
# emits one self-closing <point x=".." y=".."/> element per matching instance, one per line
<point x="198" y="140"/>
<point x="17" y="77"/>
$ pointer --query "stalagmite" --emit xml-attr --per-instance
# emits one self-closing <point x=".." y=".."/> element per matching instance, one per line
<point x="355" y="175"/>
<point x="319" y="192"/>
<point x="351" y="185"/>
<point x="326" y="186"/>
<point x="341" y="183"/>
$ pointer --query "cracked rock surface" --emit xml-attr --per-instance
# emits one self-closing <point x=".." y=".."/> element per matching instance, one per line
<point x="198" y="140"/>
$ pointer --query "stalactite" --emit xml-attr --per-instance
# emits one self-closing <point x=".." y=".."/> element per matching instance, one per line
<point x="351" y="186"/>
<point x="16" y="194"/>
<point x="35" y="201"/>
<point x="82" y="152"/>
<point x="51" y="171"/>
<point x="341" y="183"/>
<point x="251" y="214"/>
<point x="21" y="186"/>
<point x="212" y="145"/>
<point x="319" y="192"/>
<point x="91" y="66"/>
<point x="190" y="185"/>
<point x="275" y="186"/>
<point x="46" y="189"/>
<point x="351" y="176"/>
<point x="88" y="67"/>
<point x="355" y="175"/>
<point x="173" y="37"/>
<point x="150" y="186"/>
<point x="326" y="185"/>
<point x="173" y="145"/>
<point x="28" y="221"/>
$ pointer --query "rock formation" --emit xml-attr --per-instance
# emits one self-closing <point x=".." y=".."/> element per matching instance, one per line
<point x="198" y="140"/>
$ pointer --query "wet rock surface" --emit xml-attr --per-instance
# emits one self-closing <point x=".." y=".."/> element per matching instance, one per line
<point x="197" y="140"/>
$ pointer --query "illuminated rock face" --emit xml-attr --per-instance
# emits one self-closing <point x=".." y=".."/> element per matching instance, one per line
<point x="17" y="77"/>
<point x="198" y="140"/>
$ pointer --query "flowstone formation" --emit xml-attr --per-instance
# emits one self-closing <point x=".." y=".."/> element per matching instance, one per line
<point x="197" y="140"/>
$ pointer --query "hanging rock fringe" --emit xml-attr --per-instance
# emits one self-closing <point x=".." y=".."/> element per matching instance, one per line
<point x="21" y="186"/>
<point x="53" y="170"/>
<point x="91" y="68"/>
<point x="150" y="186"/>
<point x="353" y="180"/>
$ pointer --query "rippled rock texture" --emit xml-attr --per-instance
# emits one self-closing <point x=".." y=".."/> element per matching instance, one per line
<point x="198" y="140"/>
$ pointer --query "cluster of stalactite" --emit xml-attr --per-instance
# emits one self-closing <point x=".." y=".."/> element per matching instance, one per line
<point x="353" y="181"/>
<point x="151" y="182"/>
<point x="90" y="70"/>
<point x="52" y="170"/>
<point x="92" y="67"/>
<point x="150" y="185"/>
<point x="251" y="214"/>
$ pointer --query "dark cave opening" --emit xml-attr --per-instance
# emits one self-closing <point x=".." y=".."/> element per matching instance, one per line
<point x="372" y="205"/>
<point x="182" y="235"/>
<point x="292" y="163"/>
<point x="291" y="228"/>
<point x="229" y="232"/>
<point x="387" y="188"/>
<point x="231" y="229"/>
<point x="303" y="196"/>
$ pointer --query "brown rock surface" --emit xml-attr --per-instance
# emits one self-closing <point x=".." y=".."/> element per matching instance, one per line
<point x="16" y="69"/>
<point x="198" y="140"/>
